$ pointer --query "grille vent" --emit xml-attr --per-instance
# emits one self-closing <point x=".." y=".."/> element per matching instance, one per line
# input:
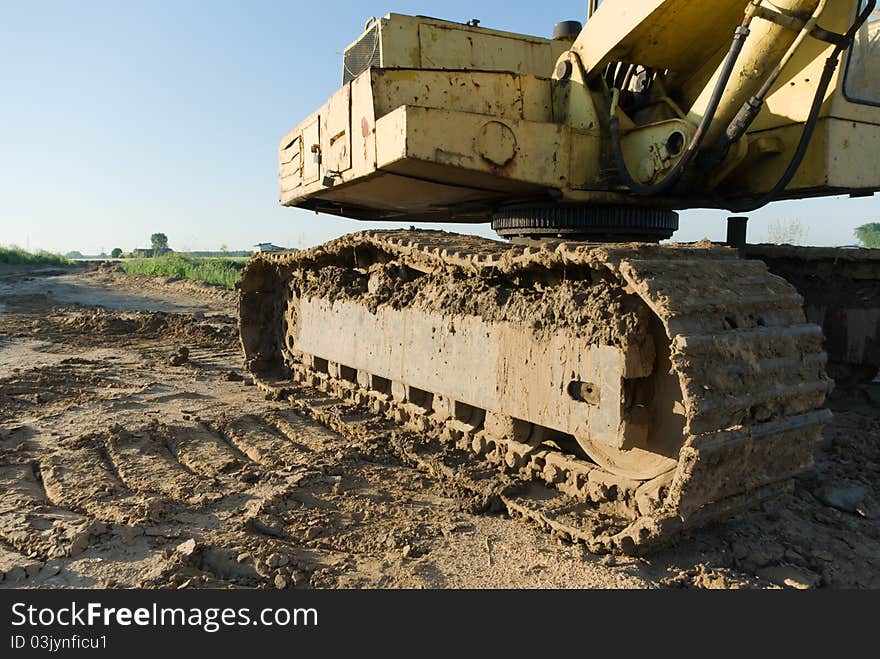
<point x="361" y="56"/>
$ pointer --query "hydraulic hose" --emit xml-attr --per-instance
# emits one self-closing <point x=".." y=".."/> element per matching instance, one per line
<point x="831" y="65"/>
<point x="752" y="108"/>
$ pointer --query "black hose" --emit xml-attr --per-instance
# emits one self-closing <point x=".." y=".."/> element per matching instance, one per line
<point x="674" y="175"/>
<point x="831" y="65"/>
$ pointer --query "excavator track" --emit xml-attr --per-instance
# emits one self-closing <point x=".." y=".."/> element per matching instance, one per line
<point x="841" y="291"/>
<point x="617" y="394"/>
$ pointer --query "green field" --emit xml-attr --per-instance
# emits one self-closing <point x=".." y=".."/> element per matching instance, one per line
<point x="18" y="256"/>
<point x="218" y="271"/>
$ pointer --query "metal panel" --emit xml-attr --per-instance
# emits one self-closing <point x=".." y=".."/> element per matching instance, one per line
<point x="490" y="361"/>
<point x="290" y="165"/>
<point x="452" y="48"/>
<point x="662" y="34"/>
<point x="336" y="132"/>
<point x="391" y="196"/>
<point x="467" y="91"/>
<point x="363" y="127"/>
<point x="311" y="141"/>
<point x="539" y="152"/>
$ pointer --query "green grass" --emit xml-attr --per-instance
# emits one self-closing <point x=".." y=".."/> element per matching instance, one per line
<point x="218" y="271"/>
<point x="17" y="256"/>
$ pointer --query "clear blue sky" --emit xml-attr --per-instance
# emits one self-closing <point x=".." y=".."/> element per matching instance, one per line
<point x="119" y="119"/>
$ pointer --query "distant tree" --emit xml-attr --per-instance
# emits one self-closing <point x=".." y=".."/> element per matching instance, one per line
<point x="159" y="242"/>
<point x="786" y="232"/>
<point x="869" y="234"/>
<point x="116" y="253"/>
<point x="73" y="255"/>
<point x="224" y="250"/>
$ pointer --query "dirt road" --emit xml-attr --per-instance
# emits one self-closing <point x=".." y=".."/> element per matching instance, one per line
<point x="135" y="451"/>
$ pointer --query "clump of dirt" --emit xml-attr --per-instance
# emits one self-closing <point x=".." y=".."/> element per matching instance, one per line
<point x="587" y="302"/>
<point x="337" y="283"/>
<point x="108" y="267"/>
<point x="180" y="357"/>
<point x="150" y="325"/>
<point x="593" y="308"/>
<point x="124" y="328"/>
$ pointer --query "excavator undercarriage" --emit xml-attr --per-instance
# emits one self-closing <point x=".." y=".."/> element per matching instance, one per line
<point x="841" y="291"/>
<point x="651" y="387"/>
<point x="668" y="383"/>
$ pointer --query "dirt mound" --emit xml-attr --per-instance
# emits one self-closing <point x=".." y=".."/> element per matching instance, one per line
<point x="125" y="328"/>
<point x="114" y="274"/>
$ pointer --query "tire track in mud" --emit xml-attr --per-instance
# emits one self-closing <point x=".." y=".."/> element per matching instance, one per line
<point x="213" y="354"/>
<point x="271" y="508"/>
<point x="304" y="512"/>
<point x="34" y="527"/>
<point x="301" y="432"/>
<point x="80" y="478"/>
<point x="296" y="519"/>
<point x="138" y="483"/>
<point x="146" y="465"/>
<point x="203" y="452"/>
<point x="338" y="510"/>
<point x="262" y="442"/>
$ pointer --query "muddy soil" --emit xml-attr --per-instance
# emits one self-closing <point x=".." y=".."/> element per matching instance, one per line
<point x="136" y="452"/>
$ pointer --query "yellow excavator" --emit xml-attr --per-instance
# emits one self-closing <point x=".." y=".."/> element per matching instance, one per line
<point x="651" y="386"/>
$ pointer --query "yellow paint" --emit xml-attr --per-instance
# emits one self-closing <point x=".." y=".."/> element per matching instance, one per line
<point x="460" y="118"/>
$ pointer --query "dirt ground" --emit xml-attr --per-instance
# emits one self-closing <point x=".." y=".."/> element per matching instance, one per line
<point x="136" y="452"/>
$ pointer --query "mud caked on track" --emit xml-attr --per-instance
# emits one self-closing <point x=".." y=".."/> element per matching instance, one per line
<point x="135" y="451"/>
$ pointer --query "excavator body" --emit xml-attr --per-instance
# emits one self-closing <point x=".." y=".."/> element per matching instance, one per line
<point x="655" y="387"/>
<point x="439" y="121"/>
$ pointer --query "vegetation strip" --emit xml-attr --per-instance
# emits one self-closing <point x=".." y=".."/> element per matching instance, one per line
<point x="18" y="256"/>
<point x="220" y="271"/>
